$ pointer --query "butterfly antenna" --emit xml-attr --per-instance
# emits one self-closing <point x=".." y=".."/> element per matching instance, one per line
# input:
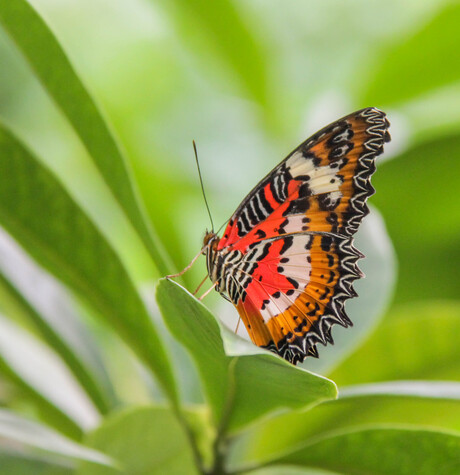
<point x="202" y="187"/>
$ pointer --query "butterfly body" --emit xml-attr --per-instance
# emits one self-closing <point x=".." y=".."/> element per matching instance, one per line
<point x="286" y="259"/>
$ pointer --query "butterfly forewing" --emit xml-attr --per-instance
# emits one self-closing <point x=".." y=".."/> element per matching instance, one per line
<point x="286" y="257"/>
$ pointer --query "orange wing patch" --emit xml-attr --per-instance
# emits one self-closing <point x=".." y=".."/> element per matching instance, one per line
<point x="296" y="292"/>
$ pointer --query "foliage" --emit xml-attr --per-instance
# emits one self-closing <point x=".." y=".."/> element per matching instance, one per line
<point x="96" y="377"/>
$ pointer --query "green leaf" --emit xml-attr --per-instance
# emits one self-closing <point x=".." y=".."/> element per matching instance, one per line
<point x="28" y="291"/>
<point x="29" y="435"/>
<point x="424" y="389"/>
<point x="218" y="28"/>
<point x="272" y="438"/>
<point x="380" y="450"/>
<point x="37" y="371"/>
<point x="24" y="464"/>
<point x="425" y="231"/>
<point x="45" y="220"/>
<point x="45" y="56"/>
<point x="266" y="383"/>
<point x="247" y="385"/>
<point x="145" y="440"/>
<point x="193" y="326"/>
<point x="398" y="349"/>
<point x="419" y="64"/>
<point x="287" y="470"/>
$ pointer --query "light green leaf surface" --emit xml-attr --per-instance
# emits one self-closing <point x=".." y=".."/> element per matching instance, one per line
<point x="422" y="212"/>
<point x="28" y="292"/>
<point x="41" y="215"/>
<point x="243" y="387"/>
<point x="45" y="56"/>
<point x="26" y="434"/>
<point x="423" y="62"/>
<point x="380" y="451"/>
<point x="145" y="441"/>
<point x="44" y="379"/>
<point x="269" y="440"/>
<point x="423" y="389"/>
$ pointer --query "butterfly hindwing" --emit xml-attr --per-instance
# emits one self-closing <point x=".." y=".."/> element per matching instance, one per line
<point x="286" y="258"/>
<point x="293" y="290"/>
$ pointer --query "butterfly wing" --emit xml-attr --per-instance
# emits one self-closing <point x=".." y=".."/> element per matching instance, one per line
<point x="294" y="231"/>
<point x="322" y="185"/>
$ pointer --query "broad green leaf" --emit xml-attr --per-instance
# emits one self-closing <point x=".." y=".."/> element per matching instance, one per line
<point x="46" y="382"/>
<point x="146" y="440"/>
<point x="248" y="384"/>
<point x="381" y="450"/>
<point x="218" y="28"/>
<point x="192" y="325"/>
<point x="28" y="291"/>
<point x="398" y="349"/>
<point x="45" y="56"/>
<point x="418" y="64"/>
<point x="271" y="439"/>
<point x="422" y="214"/>
<point x="44" y="219"/>
<point x="40" y="439"/>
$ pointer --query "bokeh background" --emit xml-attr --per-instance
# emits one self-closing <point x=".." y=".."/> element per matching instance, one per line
<point x="249" y="80"/>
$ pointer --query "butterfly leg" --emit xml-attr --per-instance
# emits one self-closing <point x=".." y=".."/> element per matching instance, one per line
<point x="237" y="325"/>
<point x="201" y="284"/>
<point x="208" y="291"/>
<point x="185" y="269"/>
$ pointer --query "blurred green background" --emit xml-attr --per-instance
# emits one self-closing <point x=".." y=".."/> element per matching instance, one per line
<point x="249" y="80"/>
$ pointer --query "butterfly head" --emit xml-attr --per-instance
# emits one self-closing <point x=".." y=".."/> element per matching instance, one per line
<point x="210" y="239"/>
<point x="210" y="243"/>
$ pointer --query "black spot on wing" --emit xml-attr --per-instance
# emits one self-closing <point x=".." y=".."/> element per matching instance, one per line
<point x="287" y="243"/>
<point x="261" y="234"/>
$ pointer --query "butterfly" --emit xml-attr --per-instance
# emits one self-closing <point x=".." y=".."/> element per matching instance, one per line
<point x="286" y="259"/>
